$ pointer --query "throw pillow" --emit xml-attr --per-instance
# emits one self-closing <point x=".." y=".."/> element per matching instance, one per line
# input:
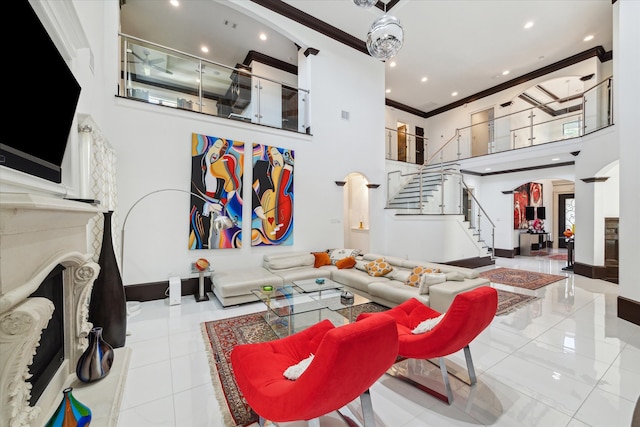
<point x="294" y="371"/>
<point x="416" y="275"/>
<point x="361" y="265"/>
<point x="429" y="279"/>
<point x="322" y="258"/>
<point x="347" y="262"/>
<point x="455" y="275"/>
<point x="337" y="254"/>
<point x="427" y="325"/>
<point x="378" y="268"/>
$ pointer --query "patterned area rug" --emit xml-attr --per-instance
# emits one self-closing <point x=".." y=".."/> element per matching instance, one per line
<point x="562" y="257"/>
<point x="520" y="278"/>
<point x="220" y="336"/>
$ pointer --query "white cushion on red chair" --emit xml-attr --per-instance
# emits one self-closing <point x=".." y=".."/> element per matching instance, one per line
<point x="294" y="371"/>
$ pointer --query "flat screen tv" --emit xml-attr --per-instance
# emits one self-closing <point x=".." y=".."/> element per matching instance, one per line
<point x="40" y="95"/>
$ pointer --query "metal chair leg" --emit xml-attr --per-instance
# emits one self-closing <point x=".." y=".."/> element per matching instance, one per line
<point x="445" y="378"/>
<point x="367" y="409"/>
<point x="470" y="368"/>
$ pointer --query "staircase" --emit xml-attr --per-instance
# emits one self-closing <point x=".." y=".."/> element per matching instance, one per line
<point x="419" y="195"/>
<point x="437" y="190"/>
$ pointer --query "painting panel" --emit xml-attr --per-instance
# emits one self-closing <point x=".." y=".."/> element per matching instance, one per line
<point x="520" y="203"/>
<point x="272" y="196"/>
<point x="217" y="169"/>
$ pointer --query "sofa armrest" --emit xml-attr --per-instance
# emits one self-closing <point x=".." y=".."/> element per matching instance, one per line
<point x="441" y="295"/>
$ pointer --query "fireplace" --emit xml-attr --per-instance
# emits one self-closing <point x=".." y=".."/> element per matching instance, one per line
<point x="45" y="239"/>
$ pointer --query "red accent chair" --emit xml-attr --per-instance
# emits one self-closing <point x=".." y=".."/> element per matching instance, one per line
<point x="347" y="361"/>
<point x="469" y="314"/>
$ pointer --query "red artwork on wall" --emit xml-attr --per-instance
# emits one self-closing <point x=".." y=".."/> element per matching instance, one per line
<point x="527" y="195"/>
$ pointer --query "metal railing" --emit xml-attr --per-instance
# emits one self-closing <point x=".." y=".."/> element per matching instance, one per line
<point x="160" y="75"/>
<point x="557" y="120"/>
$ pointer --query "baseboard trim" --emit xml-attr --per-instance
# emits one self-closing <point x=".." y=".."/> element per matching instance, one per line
<point x="590" y="271"/>
<point x="506" y="253"/>
<point x="472" y="262"/>
<point x="156" y="290"/>
<point x="629" y="310"/>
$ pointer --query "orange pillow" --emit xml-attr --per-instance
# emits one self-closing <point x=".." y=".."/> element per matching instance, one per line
<point x="322" y="258"/>
<point x="347" y="262"/>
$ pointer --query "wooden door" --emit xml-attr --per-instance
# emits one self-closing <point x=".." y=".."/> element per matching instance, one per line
<point x="481" y="132"/>
<point x="402" y="143"/>
<point x="419" y="146"/>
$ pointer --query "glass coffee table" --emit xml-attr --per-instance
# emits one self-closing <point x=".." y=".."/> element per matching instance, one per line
<point x="291" y="309"/>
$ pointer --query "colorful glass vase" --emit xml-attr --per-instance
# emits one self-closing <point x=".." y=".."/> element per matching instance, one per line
<point x="70" y="413"/>
<point x="95" y="363"/>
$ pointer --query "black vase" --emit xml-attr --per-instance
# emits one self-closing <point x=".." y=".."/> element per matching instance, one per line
<point x="108" y="306"/>
<point x="95" y="363"/>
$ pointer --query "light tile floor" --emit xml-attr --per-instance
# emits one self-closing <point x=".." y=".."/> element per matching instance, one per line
<point x="563" y="360"/>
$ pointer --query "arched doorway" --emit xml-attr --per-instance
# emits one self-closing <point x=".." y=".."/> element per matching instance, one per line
<point x="356" y="212"/>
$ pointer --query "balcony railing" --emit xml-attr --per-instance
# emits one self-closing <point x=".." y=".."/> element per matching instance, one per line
<point x="558" y="120"/>
<point x="164" y="76"/>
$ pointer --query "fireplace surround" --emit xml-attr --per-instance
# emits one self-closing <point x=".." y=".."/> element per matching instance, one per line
<point x="37" y="235"/>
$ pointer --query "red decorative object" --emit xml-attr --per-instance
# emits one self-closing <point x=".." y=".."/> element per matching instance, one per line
<point x="202" y="264"/>
<point x="347" y="359"/>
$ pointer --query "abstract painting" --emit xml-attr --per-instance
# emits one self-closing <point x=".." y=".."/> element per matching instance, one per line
<point x="272" y="196"/>
<point x="217" y="169"/>
<point x="526" y="195"/>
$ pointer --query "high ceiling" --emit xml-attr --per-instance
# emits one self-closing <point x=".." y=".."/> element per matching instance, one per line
<point x="461" y="46"/>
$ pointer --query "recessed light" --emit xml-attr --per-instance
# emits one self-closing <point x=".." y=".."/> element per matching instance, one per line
<point x="388" y="91"/>
<point x="505" y="72"/>
<point x="392" y="64"/>
<point x="588" y="38"/>
<point x="175" y="3"/>
<point x="204" y="49"/>
<point x="528" y="25"/>
<point x="487" y="169"/>
<point x="424" y="79"/>
<point x="263" y="36"/>
<point x="555" y="159"/>
<point x="454" y="93"/>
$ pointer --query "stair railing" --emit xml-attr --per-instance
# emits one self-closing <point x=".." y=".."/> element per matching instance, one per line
<point x="480" y="212"/>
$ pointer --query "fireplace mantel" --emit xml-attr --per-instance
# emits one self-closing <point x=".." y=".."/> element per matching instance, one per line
<point x="38" y="233"/>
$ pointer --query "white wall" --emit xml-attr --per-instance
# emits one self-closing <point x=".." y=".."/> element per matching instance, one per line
<point x="153" y="145"/>
<point x="627" y="87"/>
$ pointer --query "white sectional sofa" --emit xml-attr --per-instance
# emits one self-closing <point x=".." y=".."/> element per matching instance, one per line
<point x="233" y="286"/>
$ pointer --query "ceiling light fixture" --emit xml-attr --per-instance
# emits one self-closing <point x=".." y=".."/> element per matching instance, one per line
<point x="505" y="72"/>
<point x="528" y="25"/>
<point x="388" y="91"/>
<point x="365" y="3"/>
<point x="588" y="38"/>
<point x="386" y="35"/>
<point x="263" y="36"/>
<point x="175" y="3"/>
<point x="454" y="94"/>
<point x="204" y="49"/>
<point x="424" y="79"/>
<point x="392" y="64"/>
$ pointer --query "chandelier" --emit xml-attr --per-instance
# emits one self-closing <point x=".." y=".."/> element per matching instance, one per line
<point x="365" y="3"/>
<point x="386" y="35"/>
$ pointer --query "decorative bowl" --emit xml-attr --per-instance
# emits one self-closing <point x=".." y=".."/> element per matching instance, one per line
<point x="319" y="281"/>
